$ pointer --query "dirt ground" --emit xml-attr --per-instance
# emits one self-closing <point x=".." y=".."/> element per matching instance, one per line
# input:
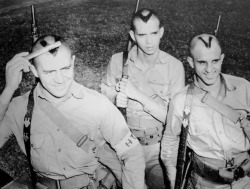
<point x="96" y="29"/>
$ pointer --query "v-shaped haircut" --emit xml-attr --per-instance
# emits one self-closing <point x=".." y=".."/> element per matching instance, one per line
<point x="206" y="40"/>
<point x="144" y="14"/>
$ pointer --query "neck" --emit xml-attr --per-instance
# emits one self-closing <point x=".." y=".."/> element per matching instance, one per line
<point x="213" y="89"/>
<point x="147" y="59"/>
<point x="48" y="96"/>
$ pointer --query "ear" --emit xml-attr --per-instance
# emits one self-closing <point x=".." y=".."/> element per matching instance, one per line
<point x="222" y="56"/>
<point x="73" y="59"/>
<point x="132" y="34"/>
<point x="161" y="31"/>
<point x="190" y="61"/>
<point x="34" y="71"/>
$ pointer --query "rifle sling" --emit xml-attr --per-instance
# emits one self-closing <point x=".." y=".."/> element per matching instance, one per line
<point x="181" y="158"/>
<point x="26" y="134"/>
<point x="124" y="75"/>
<point x="220" y="107"/>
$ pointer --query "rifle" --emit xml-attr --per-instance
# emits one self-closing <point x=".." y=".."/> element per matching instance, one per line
<point x="124" y="67"/>
<point x="184" y="157"/>
<point x="34" y="33"/>
<point x="217" y="28"/>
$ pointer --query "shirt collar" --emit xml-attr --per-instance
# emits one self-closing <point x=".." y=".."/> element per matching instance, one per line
<point x="225" y="83"/>
<point x="133" y="56"/>
<point x="75" y="91"/>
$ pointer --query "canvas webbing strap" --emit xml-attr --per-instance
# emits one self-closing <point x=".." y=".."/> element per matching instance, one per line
<point x="220" y="107"/>
<point x="105" y="154"/>
<point x="124" y="75"/>
<point x="124" y="65"/>
<point x="81" y="139"/>
<point x="26" y="134"/>
<point x="181" y="158"/>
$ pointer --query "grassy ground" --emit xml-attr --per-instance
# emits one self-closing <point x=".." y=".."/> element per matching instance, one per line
<point x="98" y="28"/>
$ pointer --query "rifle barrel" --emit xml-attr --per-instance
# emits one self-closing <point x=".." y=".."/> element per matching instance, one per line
<point x="34" y="33"/>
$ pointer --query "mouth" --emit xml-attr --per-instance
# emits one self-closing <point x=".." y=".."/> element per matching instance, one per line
<point x="210" y="75"/>
<point x="150" y="48"/>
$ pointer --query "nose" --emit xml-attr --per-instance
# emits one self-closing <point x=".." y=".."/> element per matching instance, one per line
<point x="149" y="39"/>
<point x="209" y="67"/>
<point x="58" y="77"/>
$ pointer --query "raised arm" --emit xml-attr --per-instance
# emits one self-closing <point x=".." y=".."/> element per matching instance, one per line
<point x="13" y="76"/>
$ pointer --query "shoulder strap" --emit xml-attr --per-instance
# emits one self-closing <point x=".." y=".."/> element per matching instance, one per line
<point x="26" y="134"/>
<point x="124" y="75"/>
<point x="124" y="65"/>
<point x="81" y="139"/>
<point x="183" y="138"/>
<point x="220" y="107"/>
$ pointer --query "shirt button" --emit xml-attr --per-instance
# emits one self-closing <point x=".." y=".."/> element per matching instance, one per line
<point x="64" y="168"/>
<point x="59" y="150"/>
<point x="58" y="129"/>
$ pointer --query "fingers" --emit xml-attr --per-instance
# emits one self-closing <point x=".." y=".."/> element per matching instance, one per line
<point x="14" y="70"/>
<point x="19" y="60"/>
<point x="121" y="100"/>
<point x="123" y="85"/>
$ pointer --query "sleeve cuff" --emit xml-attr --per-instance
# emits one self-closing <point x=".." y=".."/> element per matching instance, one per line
<point x="128" y="142"/>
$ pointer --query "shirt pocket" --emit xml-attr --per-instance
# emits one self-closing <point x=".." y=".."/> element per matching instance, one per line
<point x="200" y="124"/>
<point x="160" y="88"/>
<point x="38" y="153"/>
<point x="234" y="131"/>
<point x="201" y="140"/>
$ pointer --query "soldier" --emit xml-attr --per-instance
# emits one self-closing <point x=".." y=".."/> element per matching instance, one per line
<point x="63" y="111"/>
<point x="153" y="78"/>
<point x="217" y="105"/>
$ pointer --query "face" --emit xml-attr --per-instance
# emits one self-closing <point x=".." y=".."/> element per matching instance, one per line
<point x="207" y="63"/>
<point x="147" y="35"/>
<point x="56" y="73"/>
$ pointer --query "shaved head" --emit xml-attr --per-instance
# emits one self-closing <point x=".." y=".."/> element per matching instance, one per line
<point x="203" y="41"/>
<point x="48" y="40"/>
<point x="144" y="15"/>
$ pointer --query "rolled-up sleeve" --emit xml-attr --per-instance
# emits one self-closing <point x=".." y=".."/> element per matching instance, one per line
<point x="114" y="71"/>
<point x="5" y="121"/>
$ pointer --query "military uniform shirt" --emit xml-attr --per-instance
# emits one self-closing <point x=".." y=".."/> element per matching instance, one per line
<point x="53" y="154"/>
<point x="211" y="134"/>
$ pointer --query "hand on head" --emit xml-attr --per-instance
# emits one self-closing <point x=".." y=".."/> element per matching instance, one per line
<point x="14" y="70"/>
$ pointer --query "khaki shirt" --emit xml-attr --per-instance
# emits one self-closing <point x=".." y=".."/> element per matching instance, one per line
<point x="164" y="78"/>
<point x="210" y="134"/>
<point x="53" y="154"/>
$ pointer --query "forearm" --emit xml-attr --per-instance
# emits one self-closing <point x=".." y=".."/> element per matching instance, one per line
<point x="169" y="152"/>
<point x="5" y="99"/>
<point x="133" y="168"/>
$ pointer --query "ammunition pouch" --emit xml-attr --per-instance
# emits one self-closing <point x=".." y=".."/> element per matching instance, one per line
<point x="147" y="131"/>
<point x="218" y="171"/>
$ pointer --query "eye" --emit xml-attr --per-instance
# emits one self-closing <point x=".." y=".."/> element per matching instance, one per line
<point x="201" y="62"/>
<point x="155" y="33"/>
<point x="141" y="35"/>
<point x="216" y="61"/>
<point x="48" y="72"/>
